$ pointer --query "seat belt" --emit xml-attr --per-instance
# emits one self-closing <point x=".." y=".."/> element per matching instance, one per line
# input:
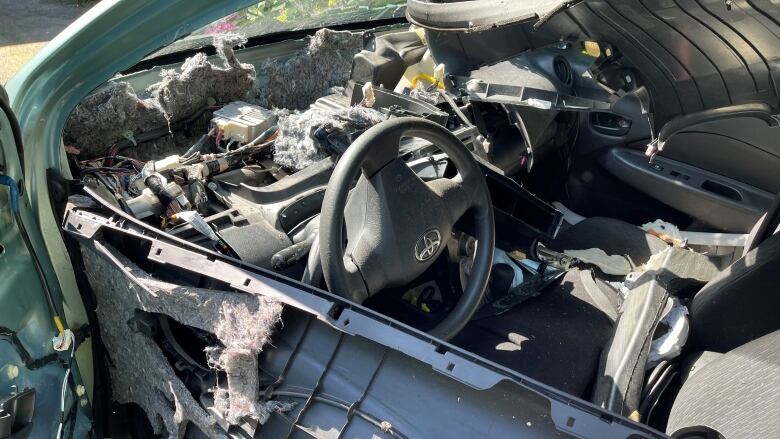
<point x="597" y="294"/>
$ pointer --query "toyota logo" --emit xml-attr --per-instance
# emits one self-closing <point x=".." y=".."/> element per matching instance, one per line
<point x="427" y="245"/>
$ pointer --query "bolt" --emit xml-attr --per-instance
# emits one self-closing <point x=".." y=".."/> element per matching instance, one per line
<point x="12" y="371"/>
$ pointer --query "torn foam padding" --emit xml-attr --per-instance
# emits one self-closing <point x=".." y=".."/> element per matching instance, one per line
<point x="299" y="81"/>
<point x="117" y="112"/>
<point x="669" y="345"/>
<point x="141" y="374"/>
<point x="109" y="115"/>
<point x="295" y="146"/>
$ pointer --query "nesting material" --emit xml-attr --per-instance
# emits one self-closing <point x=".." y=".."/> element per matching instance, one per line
<point x="183" y="92"/>
<point x="307" y="75"/>
<point x="109" y="115"/>
<point x="422" y="93"/>
<point x="141" y="374"/>
<point x="117" y="112"/>
<point x="296" y="148"/>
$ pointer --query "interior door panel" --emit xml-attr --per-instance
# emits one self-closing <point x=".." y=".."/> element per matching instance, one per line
<point x="744" y="149"/>
<point x="721" y="202"/>
<point x="721" y="173"/>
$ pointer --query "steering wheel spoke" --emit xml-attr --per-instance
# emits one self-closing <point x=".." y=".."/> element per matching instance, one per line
<point x="384" y="152"/>
<point x="456" y="197"/>
<point x="356" y="285"/>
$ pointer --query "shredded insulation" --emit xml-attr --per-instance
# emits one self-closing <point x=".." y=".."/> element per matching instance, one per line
<point x="117" y="112"/>
<point x="183" y="92"/>
<point x="310" y="73"/>
<point x="296" y="147"/>
<point x="141" y="374"/>
<point x="425" y="94"/>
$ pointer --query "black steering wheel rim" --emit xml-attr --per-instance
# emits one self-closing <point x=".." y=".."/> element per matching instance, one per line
<point x="377" y="150"/>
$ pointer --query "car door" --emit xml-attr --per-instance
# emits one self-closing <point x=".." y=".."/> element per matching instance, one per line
<point x="37" y="378"/>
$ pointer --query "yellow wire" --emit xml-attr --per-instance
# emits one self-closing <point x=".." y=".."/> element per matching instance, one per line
<point x="58" y="324"/>
<point x="426" y="77"/>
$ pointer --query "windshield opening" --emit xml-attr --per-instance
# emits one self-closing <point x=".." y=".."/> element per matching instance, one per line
<point x="278" y="16"/>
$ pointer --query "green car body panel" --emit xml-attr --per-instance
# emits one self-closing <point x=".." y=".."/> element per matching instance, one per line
<point x="109" y="38"/>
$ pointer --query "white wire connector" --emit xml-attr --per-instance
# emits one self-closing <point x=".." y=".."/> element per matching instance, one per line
<point x="63" y="341"/>
<point x="368" y="95"/>
<point x="438" y="74"/>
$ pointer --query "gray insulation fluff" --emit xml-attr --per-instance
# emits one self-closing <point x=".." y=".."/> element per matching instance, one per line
<point x="183" y="92"/>
<point x="307" y="75"/>
<point x="425" y="94"/>
<point x="117" y="112"/>
<point x="140" y="372"/>
<point x="295" y="146"/>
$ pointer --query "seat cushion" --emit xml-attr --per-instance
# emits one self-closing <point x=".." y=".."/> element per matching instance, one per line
<point x="555" y="338"/>
<point x="736" y="394"/>
<point x="613" y="236"/>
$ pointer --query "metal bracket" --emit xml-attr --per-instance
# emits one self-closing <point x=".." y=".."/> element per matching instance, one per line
<point x="553" y="258"/>
<point x="16" y="412"/>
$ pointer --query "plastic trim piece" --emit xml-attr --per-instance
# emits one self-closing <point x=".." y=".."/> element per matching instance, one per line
<point x="482" y="91"/>
<point x="478" y="15"/>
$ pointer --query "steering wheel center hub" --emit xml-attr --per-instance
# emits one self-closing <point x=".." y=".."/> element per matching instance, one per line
<point x="427" y="245"/>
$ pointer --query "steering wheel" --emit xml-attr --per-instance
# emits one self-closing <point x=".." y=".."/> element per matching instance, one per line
<point x="396" y="224"/>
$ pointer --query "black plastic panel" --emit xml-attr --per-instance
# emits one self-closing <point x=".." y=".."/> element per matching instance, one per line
<point x="521" y="218"/>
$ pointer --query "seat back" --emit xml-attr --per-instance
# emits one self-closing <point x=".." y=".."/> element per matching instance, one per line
<point x="766" y="226"/>
<point x="742" y="302"/>
<point x="734" y="396"/>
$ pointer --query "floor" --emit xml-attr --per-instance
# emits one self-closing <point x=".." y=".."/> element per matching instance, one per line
<point x="27" y="25"/>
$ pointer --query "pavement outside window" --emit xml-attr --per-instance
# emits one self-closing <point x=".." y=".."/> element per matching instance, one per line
<point x="26" y="26"/>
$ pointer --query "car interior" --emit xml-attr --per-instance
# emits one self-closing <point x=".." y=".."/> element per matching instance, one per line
<point x="588" y="199"/>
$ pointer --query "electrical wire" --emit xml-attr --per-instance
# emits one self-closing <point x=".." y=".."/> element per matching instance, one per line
<point x="655" y="401"/>
<point x="657" y="371"/>
<point x="157" y="133"/>
<point x="14" y="201"/>
<point x="657" y="389"/>
<point x="64" y="387"/>
<point x="108" y="157"/>
<point x="111" y="188"/>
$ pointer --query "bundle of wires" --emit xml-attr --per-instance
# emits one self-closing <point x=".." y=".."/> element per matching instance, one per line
<point x="113" y="176"/>
<point x="657" y="383"/>
<point x="117" y="172"/>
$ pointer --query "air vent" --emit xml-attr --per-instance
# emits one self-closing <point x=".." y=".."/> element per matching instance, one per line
<point x="562" y="70"/>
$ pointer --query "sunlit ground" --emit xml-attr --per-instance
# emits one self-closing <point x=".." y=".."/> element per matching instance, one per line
<point x="27" y="25"/>
<point x="15" y="56"/>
